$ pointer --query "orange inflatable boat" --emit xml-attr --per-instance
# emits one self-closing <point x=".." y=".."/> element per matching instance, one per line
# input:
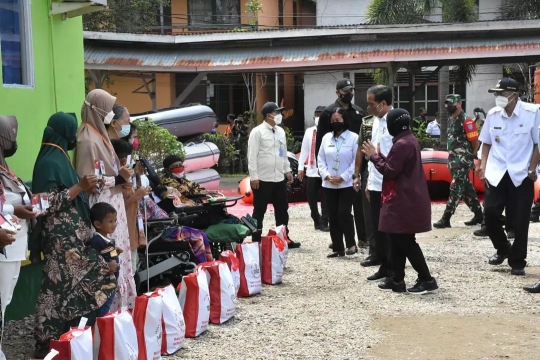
<point x="244" y="188"/>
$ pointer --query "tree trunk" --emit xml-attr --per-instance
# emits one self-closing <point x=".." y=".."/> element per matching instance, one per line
<point x="444" y="86"/>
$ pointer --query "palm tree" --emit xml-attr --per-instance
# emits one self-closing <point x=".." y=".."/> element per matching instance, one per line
<point x="520" y="10"/>
<point x="385" y="12"/>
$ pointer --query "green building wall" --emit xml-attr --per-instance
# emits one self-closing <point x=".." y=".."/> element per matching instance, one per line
<point x="59" y="86"/>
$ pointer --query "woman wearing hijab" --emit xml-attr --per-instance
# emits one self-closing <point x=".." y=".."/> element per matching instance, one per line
<point x="76" y="280"/>
<point x="93" y="144"/>
<point x="406" y="207"/>
<point x="14" y="200"/>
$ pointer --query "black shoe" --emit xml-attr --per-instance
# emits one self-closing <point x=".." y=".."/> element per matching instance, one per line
<point x="378" y="276"/>
<point x="317" y="226"/>
<point x="390" y="285"/>
<point x="336" y="254"/>
<point x="331" y="246"/>
<point x="482" y="232"/>
<point x="324" y="226"/>
<point x="294" y="245"/>
<point x="497" y="259"/>
<point x="370" y="261"/>
<point x="533" y="289"/>
<point x="352" y="252"/>
<point x="511" y="234"/>
<point x="477" y="219"/>
<point x="424" y="287"/>
<point x="443" y="223"/>
<point x="518" y="271"/>
<point x="362" y="244"/>
<point x="535" y="218"/>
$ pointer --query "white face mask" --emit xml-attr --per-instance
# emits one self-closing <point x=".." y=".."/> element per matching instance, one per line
<point x="316" y="121"/>
<point x="108" y="118"/>
<point x="501" y="101"/>
<point x="179" y="175"/>
<point x="278" y="118"/>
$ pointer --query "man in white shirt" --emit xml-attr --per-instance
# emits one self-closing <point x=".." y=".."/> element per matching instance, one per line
<point x="311" y="173"/>
<point x="269" y="169"/>
<point x="434" y="127"/>
<point x="509" y="158"/>
<point x="380" y="100"/>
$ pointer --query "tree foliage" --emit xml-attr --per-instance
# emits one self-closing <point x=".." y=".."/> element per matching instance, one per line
<point x="384" y="12"/>
<point x="520" y="10"/>
<point x="127" y="16"/>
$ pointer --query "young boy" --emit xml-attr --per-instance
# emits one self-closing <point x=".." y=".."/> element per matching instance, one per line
<point x="103" y="217"/>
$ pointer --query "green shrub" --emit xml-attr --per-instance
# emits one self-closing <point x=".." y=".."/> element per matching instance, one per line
<point x="293" y="145"/>
<point x="226" y="148"/>
<point x="156" y="143"/>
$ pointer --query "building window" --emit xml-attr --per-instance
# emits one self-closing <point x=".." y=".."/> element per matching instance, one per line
<point x="16" y="43"/>
<point x="211" y="14"/>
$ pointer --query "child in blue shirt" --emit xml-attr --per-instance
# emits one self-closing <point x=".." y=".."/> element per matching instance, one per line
<point x="103" y="217"/>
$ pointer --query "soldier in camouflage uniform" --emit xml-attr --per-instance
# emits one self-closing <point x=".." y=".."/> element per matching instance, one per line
<point x="462" y="147"/>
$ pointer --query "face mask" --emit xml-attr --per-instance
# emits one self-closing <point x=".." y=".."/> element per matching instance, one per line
<point x="501" y="101"/>
<point x="316" y="121"/>
<point x="178" y="172"/>
<point x="72" y="145"/>
<point x="278" y="118"/>
<point x="124" y="131"/>
<point x="107" y="119"/>
<point x="346" y="98"/>
<point x="337" y="126"/>
<point x="451" y="109"/>
<point x="12" y="151"/>
<point x="135" y="143"/>
<point x="374" y="111"/>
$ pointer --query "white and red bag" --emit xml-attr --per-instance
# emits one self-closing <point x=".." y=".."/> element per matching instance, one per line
<point x="115" y="337"/>
<point x="250" y="269"/>
<point x="281" y="232"/>
<point x="194" y="299"/>
<point x="272" y="263"/>
<point x="147" y="316"/>
<point x="231" y="260"/>
<point x="222" y="291"/>
<point x="172" y="322"/>
<point x="51" y="355"/>
<point x="76" y="344"/>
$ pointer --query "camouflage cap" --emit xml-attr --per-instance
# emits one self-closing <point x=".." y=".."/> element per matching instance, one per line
<point x="453" y="98"/>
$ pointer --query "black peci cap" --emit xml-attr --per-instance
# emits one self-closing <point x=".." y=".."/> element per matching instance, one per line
<point x="320" y="109"/>
<point x="270" y="107"/>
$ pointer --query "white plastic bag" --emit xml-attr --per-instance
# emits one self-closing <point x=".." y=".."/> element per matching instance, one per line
<point x="147" y="315"/>
<point x="232" y="262"/>
<point x="173" y="325"/>
<point x="115" y="337"/>
<point x="194" y="299"/>
<point x="250" y="270"/>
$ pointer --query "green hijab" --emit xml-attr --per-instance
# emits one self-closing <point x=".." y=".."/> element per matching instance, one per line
<point x="53" y="169"/>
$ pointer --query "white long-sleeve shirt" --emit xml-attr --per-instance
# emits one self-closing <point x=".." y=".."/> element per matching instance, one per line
<point x="267" y="153"/>
<point x="305" y="153"/>
<point x="433" y="128"/>
<point x="341" y="152"/>
<point x="379" y="136"/>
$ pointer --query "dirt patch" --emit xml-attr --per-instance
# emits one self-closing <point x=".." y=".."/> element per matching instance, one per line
<point x="449" y="337"/>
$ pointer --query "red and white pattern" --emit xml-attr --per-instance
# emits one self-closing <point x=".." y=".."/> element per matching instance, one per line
<point x="250" y="269"/>
<point x="231" y="260"/>
<point x="147" y="316"/>
<point x="115" y="337"/>
<point x="194" y="298"/>
<point x="222" y="291"/>
<point x="272" y="259"/>
<point x="76" y="344"/>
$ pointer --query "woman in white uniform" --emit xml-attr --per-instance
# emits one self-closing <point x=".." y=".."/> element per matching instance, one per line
<point x="14" y="200"/>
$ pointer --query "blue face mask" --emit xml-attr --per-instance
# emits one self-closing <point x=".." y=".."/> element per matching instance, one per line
<point x="125" y="131"/>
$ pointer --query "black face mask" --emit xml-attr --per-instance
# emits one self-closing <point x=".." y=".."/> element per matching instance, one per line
<point x="12" y="151"/>
<point x="337" y="126"/>
<point x="451" y="109"/>
<point x="72" y="145"/>
<point x="346" y="98"/>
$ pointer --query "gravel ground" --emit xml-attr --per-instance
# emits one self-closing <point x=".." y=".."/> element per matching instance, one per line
<point x="326" y="310"/>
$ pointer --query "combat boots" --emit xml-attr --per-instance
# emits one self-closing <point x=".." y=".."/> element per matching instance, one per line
<point x="477" y="219"/>
<point x="444" y="222"/>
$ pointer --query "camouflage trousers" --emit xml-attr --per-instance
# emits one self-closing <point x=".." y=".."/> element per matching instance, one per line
<point x="461" y="188"/>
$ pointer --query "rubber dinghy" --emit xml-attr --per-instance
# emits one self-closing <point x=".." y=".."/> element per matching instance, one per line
<point x="185" y="122"/>
<point x="200" y="156"/>
<point x="208" y="178"/>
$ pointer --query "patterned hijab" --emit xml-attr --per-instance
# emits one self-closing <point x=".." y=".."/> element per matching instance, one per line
<point x="8" y="136"/>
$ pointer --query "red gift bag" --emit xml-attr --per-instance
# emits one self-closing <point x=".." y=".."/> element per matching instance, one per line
<point x="172" y="322"/>
<point x="231" y="260"/>
<point x="250" y="270"/>
<point x="194" y="299"/>
<point x="115" y="337"/>
<point x="222" y="291"/>
<point x="76" y="344"/>
<point x="147" y="315"/>
<point x="281" y="232"/>
<point x="272" y="262"/>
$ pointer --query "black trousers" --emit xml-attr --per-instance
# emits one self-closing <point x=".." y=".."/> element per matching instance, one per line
<point x="274" y="193"/>
<point x="313" y="185"/>
<point x="382" y="244"/>
<point x="517" y="200"/>
<point x="507" y="220"/>
<point x="404" y="246"/>
<point x="339" y="202"/>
